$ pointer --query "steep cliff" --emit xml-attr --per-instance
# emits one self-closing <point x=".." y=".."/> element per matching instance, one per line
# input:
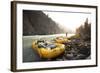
<point x="38" y="23"/>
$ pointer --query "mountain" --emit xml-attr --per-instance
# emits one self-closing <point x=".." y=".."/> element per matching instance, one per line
<point x="38" y="23"/>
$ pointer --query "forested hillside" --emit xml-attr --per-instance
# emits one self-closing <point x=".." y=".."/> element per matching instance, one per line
<point x="38" y="23"/>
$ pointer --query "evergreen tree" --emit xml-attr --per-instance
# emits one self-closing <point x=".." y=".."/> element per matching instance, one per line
<point x="84" y="31"/>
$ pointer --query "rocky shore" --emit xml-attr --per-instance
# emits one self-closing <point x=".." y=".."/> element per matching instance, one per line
<point x="76" y="49"/>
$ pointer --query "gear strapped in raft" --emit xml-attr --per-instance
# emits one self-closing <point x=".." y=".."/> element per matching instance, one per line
<point x="47" y="49"/>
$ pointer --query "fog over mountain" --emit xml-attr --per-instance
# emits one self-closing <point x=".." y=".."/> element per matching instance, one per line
<point x="38" y="23"/>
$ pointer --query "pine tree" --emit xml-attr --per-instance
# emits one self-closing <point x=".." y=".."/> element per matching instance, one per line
<point x="84" y="31"/>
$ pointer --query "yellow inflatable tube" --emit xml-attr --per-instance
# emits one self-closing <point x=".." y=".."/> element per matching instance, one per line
<point x="61" y="40"/>
<point x="49" y="53"/>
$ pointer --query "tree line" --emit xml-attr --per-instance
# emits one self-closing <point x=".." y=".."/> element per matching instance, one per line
<point x="84" y="31"/>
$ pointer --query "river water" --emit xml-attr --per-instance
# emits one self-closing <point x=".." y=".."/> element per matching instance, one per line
<point x="53" y="35"/>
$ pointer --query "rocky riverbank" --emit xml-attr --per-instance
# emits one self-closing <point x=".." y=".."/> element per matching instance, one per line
<point x="76" y="49"/>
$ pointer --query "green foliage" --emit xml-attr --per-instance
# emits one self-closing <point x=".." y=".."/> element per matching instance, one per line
<point x="74" y="37"/>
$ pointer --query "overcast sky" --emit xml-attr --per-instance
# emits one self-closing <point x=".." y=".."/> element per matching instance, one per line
<point x="69" y="20"/>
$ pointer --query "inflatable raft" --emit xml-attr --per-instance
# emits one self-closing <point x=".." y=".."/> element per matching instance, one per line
<point x="48" y="50"/>
<point x="61" y="40"/>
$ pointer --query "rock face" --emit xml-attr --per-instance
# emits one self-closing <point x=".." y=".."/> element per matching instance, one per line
<point x="38" y="23"/>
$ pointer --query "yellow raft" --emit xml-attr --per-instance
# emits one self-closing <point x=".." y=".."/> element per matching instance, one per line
<point x="61" y="40"/>
<point x="49" y="53"/>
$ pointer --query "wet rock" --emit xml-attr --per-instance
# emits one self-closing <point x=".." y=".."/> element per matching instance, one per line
<point x="76" y="50"/>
